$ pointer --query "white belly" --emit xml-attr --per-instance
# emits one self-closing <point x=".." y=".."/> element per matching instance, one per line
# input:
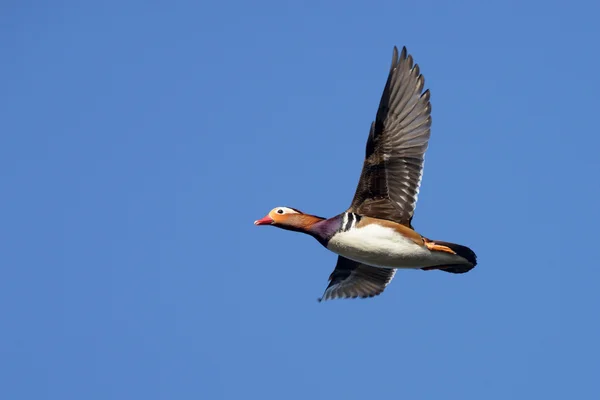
<point x="384" y="247"/>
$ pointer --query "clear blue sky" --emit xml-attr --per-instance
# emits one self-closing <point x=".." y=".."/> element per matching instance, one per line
<point x="138" y="143"/>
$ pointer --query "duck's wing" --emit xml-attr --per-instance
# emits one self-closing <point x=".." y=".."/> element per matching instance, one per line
<point x="393" y="166"/>
<point x="351" y="279"/>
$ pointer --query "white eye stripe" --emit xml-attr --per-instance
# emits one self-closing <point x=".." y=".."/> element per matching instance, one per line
<point x="285" y="210"/>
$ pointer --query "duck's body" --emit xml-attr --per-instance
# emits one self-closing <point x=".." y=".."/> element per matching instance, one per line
<point x="386" y="244"/>
<point x="374" y="237"/>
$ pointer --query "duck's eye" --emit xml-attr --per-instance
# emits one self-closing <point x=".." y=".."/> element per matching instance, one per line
<point x="280" y="211"/>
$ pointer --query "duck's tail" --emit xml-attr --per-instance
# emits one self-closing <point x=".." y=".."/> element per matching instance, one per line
<point x="459" y="250"/>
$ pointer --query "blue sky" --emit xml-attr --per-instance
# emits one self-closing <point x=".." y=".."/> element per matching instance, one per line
<point x="139" y="142"/>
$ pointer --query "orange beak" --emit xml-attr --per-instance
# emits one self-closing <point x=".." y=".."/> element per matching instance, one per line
<point x="264" y="221"/>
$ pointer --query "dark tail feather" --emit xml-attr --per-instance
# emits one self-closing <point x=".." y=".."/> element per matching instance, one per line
<point x="462" y="251"/>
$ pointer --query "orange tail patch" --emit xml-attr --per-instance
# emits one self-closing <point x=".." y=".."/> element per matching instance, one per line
<point x="438" y="247"/>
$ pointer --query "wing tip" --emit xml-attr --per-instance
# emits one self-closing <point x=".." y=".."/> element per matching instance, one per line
<point x="404" y="53"/>
<point x="344" y="296"/>
<point x="397" y="58"/>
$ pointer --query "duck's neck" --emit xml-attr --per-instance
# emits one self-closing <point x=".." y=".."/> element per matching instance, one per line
<point x="304" y="223"/>
<point x="320" y="228"/>
<point x="324" y="229"/>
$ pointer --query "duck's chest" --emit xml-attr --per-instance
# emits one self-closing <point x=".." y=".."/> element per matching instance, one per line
<point x="378" y="245"/>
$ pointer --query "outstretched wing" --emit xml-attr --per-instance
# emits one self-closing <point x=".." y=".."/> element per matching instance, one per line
<point x="399" y="136"/>
<point x="351" y="279"/>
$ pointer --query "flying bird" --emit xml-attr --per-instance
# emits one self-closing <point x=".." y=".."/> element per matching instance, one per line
<point x="375" y="237"/>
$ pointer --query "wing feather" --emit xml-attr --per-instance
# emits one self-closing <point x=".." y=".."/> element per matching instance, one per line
<point x="351" y="279"/>
<point x="395" y="151"/>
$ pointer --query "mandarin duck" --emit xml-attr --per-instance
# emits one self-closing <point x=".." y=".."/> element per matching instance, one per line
<point x="375" y="236"/>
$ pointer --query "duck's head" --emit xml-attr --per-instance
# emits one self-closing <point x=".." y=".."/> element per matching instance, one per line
<point x="288" y="218"/>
